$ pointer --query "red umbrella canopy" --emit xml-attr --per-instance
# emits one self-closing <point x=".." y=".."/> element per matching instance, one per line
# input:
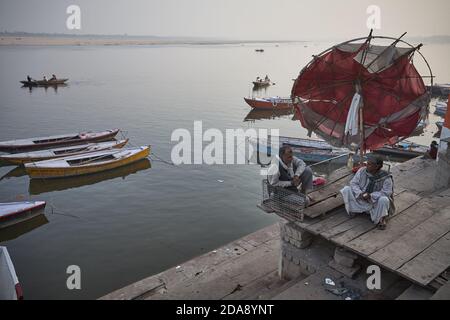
<point x="354" y="81"/>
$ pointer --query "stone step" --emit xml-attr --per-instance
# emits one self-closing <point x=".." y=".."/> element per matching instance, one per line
<point x="443" y="293"/>
<point x="415" y="292"/>
<point x="313" y="288"/>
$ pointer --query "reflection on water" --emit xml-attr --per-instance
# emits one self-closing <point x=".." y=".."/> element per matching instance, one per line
<point x="17" y="172"/>
<point x="39" y="186"/>
<point x="15" y="231"/>
<point x="54" y="87"/>
<point x="256" y="114"/>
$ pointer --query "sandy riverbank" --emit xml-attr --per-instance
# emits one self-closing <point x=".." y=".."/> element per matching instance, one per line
<point x="10" y="40"/>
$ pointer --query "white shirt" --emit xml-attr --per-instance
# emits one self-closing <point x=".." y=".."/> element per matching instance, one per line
<point x="273" y="174"/>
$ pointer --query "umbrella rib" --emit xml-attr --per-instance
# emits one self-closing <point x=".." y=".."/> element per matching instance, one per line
<point x="324" y="117"/>
<point x="327" y="87"/>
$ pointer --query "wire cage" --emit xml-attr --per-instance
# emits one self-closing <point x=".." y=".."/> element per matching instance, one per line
<point x="285" y="203"/>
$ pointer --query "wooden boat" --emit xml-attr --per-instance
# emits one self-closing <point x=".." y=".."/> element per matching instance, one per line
<point x="404" y="149"/>
<point x="262" y="83"/>
<point x="440" y="89"/>
<point x="15" y="212"/>
<point x="10" y="288"/>
<point x="21" y="158"/>
<point x="44" y="83"/>
<point x="311" y="151"/>
<point x="271" y="103"/>
<point x="59" y="140"/>
<point x="86" y="163"/>
<point x="40" y="186"/>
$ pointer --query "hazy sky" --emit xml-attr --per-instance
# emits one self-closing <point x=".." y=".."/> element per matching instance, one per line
<point x="233" y="19"/>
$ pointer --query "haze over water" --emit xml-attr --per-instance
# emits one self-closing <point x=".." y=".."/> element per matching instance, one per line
<point x="124" y="226"/>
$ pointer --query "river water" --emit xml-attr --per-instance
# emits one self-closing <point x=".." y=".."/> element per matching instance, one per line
<point x="127" y="224"/>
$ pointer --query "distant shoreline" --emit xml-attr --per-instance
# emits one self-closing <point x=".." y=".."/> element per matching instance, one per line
<point x="19" y="40"/>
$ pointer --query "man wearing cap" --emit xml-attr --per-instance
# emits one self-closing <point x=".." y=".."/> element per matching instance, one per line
<point x="371" y="190"/>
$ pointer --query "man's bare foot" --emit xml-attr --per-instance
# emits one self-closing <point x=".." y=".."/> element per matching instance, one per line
<point x="382" y="224"/>
<point x="352" y="215"/>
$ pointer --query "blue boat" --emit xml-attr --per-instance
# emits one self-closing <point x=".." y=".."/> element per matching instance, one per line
<point x="311" y="151"/>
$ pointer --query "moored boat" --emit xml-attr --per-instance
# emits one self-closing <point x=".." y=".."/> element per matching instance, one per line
<point x="404" y="149"/>
<point x="40" y="186"/>
<point x="270" y="103"/>
<point x="16" y="212"/>
<point x="440" y="89"/>
<point x="86" y="164"/>
<point x="21" y="158"/>
<point x="311" y="151"/>
<point x="10" y="288"/>
<point x="58" y="140"/>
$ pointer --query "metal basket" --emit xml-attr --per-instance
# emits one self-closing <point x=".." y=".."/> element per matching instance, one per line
<point x="283" y="202"/>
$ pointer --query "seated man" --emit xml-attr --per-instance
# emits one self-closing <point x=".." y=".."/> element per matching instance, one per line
<point x="371" y="190"/>
<point x="433" y="151"/>
<point x="290" y="172"/>
<point x="53" y="77"/>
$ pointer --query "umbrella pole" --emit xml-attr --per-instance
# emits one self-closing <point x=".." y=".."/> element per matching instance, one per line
<point x="361" y="132"/>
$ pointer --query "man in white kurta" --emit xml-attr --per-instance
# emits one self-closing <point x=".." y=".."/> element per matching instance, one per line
<point x="371" y="191"/>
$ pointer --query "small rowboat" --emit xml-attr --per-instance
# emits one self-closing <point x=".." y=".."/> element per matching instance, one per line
<point x="262" y="83"/>
<point x="10" y="288"/>
<point x="271" y="103"/>
<point x="21" y="158"/>
<point x="40" y="186"/>
<point x="59" y="140"/>
<point x="44" y="83"/>
<point x="86" y="163"/>
<point x="15" y="212"/>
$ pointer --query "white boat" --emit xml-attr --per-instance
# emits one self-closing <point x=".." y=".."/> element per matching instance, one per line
<point x="21" y="158"/>
<point x="16" y="212"/>
<point x="10" y="288"/>
<point x="41" y="143"/>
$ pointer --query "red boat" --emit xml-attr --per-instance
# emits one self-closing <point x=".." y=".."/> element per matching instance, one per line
<point x="272" y="103"/>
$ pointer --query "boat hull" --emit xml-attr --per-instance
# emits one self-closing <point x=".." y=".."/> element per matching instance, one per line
<point x="42" y="83"/>
<point x="311" y="151"/>
<point x="10" y="147"/>
<point x="20" y="160"/>
<point x="268" y="105"/>
<point x="10" y="288"/>
<point x="406" y="154"/>
<point x="261" y="84"/>
<point x="19" y="216"/>
<point x="62" y="172"/>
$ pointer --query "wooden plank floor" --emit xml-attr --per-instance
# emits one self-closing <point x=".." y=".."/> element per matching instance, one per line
<point x="416" y="243"/>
